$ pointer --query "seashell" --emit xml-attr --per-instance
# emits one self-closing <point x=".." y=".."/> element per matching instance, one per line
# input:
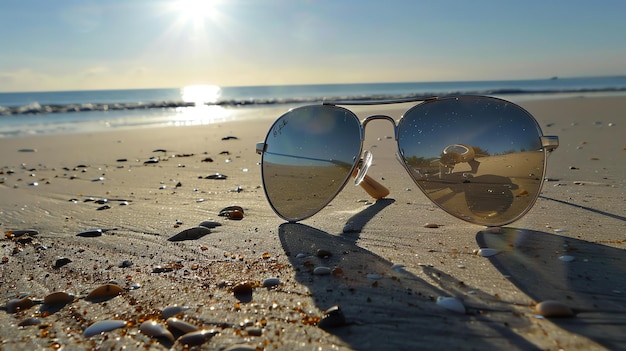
<point x="242" y="288"/>
<point x="321" y="270"/>
<point x="551" y="308"/>
<point x="58" y="297"/>
<point x="271" y="282"/>
<point x="103" y="326"/>
<point x="567" y="258"/>
<point x="180" y="325"/>
<point x="485" y="252"/>
<point x="90" y="233"/>
<point x="29" y="321"/>
<point x="373" y="276"/>
<point x="191" y="234"/>
<point x="17" y="305"/>
<point x="333" y="317"/>
<point x="209" y="224"/>
<point x="195" y="338"/>
<point x="451" y="303"/>
<point x="156" y="330"/>
<point x="104" y="292"/>
<point x="171" y="311"/>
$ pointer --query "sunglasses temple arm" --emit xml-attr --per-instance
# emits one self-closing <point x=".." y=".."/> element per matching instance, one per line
<point x="372" y="187"/>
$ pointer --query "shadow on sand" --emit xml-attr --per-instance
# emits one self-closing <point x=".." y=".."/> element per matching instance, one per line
<point x="593" y="284"/>
<point x="389" y="308"/>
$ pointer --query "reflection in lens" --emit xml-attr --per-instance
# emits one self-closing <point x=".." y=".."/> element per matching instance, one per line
<point x="309" y="155"/>
<point x="478" y="158"/>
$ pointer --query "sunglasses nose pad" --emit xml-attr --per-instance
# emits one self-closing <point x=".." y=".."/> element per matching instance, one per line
<point x="364" y="165"/>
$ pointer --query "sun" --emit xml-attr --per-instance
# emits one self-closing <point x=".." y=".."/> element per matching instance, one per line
<point x="196" y="11"/>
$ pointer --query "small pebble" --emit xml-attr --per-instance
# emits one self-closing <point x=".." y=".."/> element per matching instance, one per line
<point x="103" y="326"/>
<point x="271" y="282"/>
<point x="156" y="330"/>
<point x="567" y="258"/>
<point x="431" y="225"/>
<point x="90" y="233"/>
<point x="321" y="270"/>
<point x="551" y="308"/>
<point x="180" y="325"/>
<point x="485" y="252"/>
<point x="373" y="276"/>
<point x="191" y="234"/>
<point x="332" y="318"/>
<point x="242" y="288"/>
<point x="196" y="338"/>
<point x="29" y="321"/>
<point x="61" y="262"/>
<point x="171" y="311"/>
<point x="451" y="303"/>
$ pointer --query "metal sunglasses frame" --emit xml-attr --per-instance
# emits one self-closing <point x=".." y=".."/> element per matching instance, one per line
<point x="362" y="163"/>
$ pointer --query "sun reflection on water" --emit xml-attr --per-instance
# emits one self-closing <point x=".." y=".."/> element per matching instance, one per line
<point x="204" y="111"/>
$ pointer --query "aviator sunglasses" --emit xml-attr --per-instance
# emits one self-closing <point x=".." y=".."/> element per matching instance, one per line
<point x="481" y="159"/>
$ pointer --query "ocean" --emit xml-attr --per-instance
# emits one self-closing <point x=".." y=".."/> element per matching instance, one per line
<point x="40" y="113"/>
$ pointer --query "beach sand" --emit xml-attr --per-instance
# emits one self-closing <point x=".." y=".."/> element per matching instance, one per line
<point x="390" y="268"/>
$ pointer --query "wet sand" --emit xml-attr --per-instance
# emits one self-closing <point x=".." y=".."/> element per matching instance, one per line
<point x="387" y="271"/>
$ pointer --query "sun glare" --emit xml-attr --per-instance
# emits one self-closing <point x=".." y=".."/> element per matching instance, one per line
<point x="196" y="11"/>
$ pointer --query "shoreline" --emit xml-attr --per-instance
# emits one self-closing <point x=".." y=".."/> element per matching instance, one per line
<point x="392" y="267"/>
<point x="211" y="115"/>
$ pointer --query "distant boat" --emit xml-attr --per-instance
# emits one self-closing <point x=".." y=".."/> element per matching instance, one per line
<point x="554" y="78"/>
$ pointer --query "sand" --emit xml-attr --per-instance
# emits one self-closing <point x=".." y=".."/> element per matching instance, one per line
<point x="391" y="268"/>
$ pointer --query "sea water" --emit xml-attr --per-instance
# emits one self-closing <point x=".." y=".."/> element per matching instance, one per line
<point x="37" y="113"/>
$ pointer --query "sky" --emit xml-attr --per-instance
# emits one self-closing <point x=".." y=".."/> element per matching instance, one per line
<point x="126" y="44"/>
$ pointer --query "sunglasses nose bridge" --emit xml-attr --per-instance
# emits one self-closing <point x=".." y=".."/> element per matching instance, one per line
<point x="385" y="118"/>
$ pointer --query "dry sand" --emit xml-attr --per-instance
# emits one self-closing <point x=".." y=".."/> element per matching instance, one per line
<point x="392" y="268"/>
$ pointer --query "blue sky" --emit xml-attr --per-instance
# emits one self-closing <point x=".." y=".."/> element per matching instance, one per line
<point x="116" y="44"/>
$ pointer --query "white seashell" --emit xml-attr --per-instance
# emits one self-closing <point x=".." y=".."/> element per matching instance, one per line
<point x="321" y="270"/>
<point x="195" y="338"/>
<point x="271" y="282"/>
<point x="180" y="325"/>
<point x="485" y="252"/>
<point x="191" y="234"/>
<point x="567" y="258"/>
<point x="451" y="303"/>
<point x="171" y="311"/>
<point x="373" y="276"/>
<point x="301" y="255"/>
<point x="103" y="326"/>
<point x="156" y="330"/>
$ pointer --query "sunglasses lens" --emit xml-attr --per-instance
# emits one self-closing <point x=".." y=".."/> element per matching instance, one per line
<point x="479" y="158"/>
<point x="309" y="155"/>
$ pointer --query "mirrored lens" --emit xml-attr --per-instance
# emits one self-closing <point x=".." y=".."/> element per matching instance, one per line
<point x="309" y="155"/>
<point x="478" y="158"/>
